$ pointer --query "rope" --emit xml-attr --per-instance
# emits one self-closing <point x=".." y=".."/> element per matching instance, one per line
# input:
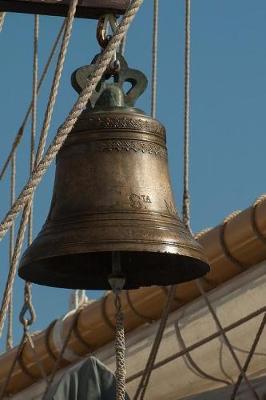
<point x="25" y="337"/>
<point x="122" y="47"/>
<point x="140" y="393"/>
<point x="34" y="111"/>
<point x="186" y="195"/>
<point x="9" y="340"/>
<point x="143" y="384"/>
<point x="36" y="357"/>
<point x="224" y="245"/>
<point x="58" y="360"/>
<point x="223" y="370"/>
<point x="2" y="20"/>
<point x="154" y="57"/>
<point x="56" y="80"/>
<point x="27" y="307"/>
<point x="120" y="349"/>
<point x="145" y="318"/>
<point x="256" y="229"/>
<point x="249" y="357"/>
<point x="100" y="66"/>
<point x="13" y="267"/>
<point x="190" y="362"/>
<point x="27" y="288"/>
<point x="27" y="210"/>
<point x="24" y="122"/>
<point x="226" y="340"/>
<point x="201" y="342"/>
<point x="10" y="373"/>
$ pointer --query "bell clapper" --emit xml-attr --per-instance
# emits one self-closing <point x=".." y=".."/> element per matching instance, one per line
<point x="117" y="282"/>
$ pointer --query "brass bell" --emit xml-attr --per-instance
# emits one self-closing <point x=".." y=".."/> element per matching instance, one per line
<point x="112" y="195"/>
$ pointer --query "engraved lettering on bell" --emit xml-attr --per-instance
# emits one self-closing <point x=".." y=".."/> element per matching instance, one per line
<point x="139" y="201"/>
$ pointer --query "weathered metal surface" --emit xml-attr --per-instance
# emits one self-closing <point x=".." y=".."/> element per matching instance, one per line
<point x="85" y="9"/>
<point x="113" y="193"/>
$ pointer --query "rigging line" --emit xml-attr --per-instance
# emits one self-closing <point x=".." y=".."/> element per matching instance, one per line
<point x="191" y="364"/>
<point x="26" y="336"/>
<point x="36" y="357"/>
<point x="9" y="339"/>
<point x="2" y="20"/>
<point x="12" y="368"/>
<point x="221" y="362"/>
<point x="186" y="194"/>
<point x="154" y="57"/>
<point x="100" y="66"/>
<point x="27" y="209"/>
<point x="43" y="76"/>
<point x="59" y="359"/>
<point x="56" y="81"/>
<point x="201" y="342"/>
<point x="249" y="357"/>
<point x="122" y="47"/>
<point x="143" y="384"/>
<point x="62" y="133"/>
<point x="27" y="288"/>
<point x="34" y="111"/>
<point x="13" y="268"/>
<point x="226" y="340"/>
<point x="150" y="364"/>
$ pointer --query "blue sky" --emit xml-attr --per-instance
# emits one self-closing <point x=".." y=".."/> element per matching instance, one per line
<point x="228" y="118"/>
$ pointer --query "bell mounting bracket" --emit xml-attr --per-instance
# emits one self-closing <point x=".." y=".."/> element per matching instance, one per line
<point x="86" y="8"/>
<point x="121" y="74"/>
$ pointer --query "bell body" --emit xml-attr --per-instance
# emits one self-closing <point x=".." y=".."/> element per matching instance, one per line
<point x="112" y="193"/>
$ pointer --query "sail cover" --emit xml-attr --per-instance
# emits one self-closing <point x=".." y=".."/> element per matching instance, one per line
<point x="90" y="380"/>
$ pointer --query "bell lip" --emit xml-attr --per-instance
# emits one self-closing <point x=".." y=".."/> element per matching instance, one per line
<point x="42" y="276"/>
<point x="33" y="267"/>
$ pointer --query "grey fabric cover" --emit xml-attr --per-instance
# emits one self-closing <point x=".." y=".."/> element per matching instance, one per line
<point x="90" y="380"/>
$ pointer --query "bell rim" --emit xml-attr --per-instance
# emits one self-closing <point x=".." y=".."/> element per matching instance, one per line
<point x="42" y="275"/>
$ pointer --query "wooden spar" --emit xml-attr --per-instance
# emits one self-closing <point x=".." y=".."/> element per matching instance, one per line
<point x="86" y="8"/>
<point x="245" y="239"/>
